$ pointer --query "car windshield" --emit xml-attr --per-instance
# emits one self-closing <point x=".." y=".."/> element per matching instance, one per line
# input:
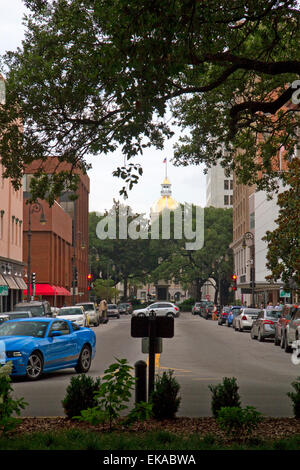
<point x="252" y="311"/>
<point x="36" y="310"/>
<point x="36" y="329"/>
<point x="70" y="311"/>
<point x="111" y="307"/>
<point x="226" y="309"/>
<point x="12" y="316"/>
<point x="88" y="307"/>
<point x="273" y="313"/>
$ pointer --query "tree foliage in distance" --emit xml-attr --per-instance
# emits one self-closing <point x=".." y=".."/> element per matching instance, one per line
<point x="93" y="76"/>
<point x="283" y="257"/>
<point x="193" y="268"/>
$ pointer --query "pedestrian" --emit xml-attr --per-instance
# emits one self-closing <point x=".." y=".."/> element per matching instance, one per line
<point x="270" y="305"/>
<point x="103" y="310"/>
<point x="214" y="313"/>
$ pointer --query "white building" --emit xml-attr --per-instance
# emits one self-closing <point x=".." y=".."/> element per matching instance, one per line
<point x="219" y="188"/>
<point x="266" y="212"/>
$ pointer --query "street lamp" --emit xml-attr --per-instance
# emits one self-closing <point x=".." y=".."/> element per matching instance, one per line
<point x="74" y="268"/>
<point x="250" y="236"/>
<point x="34" y="207"/>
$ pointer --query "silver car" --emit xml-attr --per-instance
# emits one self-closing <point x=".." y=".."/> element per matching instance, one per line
<point x="160" y="309"/>
<point x="292" y="330"/>
<point x="91" y="312"/>
<point x="244" y="320"/>
<point x="264" y="326"/>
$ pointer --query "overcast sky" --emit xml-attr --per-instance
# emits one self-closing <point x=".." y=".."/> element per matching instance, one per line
<point x="188" y="183"/>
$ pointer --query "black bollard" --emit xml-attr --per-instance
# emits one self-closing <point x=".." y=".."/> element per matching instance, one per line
<point x="140" y="385"/>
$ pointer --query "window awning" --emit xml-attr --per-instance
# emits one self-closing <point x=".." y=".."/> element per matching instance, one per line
<point x="2" y="281"/>
<point x="10" y="281"/>
<point x="21" y="283"/>
<point x="48" y="290"/>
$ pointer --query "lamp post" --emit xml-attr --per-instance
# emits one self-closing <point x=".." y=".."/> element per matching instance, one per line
<point x="250" y="236"/>
<point x="34" y="207"/>
<point x="74" y="268"/>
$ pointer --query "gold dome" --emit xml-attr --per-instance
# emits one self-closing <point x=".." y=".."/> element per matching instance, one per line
<point x="166" y="181"/>
<point x="165" y="202"/>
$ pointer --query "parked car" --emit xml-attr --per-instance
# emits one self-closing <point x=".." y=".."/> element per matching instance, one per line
<point x="280" y="327"/>
<point x="160" y="309"/>
<point x="37" y="308"/>
<point x="38" y="345"/>
<point x="15" y="315"/>
<point x="112" y="311"/>
<point x="292" y="330"/>
<point x="91" y="312"/>
<point x="264" y="326"/>
<point x="244" y="320"/>
<point x="206" y="309"/>
<point x="234" y="311"/>
<point x="75" y="314"/>
<point x="125" y="308"/>
<point x="3" y="317"/>
<point x="196" y="309"/>
<point x="223" y="315"/>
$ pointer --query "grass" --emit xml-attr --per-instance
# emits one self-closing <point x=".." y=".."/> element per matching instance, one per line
<point x="160" y="440"/>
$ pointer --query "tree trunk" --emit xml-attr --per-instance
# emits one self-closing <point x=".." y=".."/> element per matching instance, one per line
<point x="125" y="288"/>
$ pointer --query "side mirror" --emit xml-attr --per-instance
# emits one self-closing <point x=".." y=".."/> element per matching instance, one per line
<point x="55" y="333"/>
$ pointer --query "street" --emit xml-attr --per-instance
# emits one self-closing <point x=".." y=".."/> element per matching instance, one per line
<point x="201" y="353"/>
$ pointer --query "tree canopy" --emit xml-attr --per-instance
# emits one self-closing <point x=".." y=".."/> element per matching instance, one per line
<point x="96" y="75"/>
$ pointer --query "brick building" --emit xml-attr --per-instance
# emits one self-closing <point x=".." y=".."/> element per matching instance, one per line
<point x="59" y="248"/>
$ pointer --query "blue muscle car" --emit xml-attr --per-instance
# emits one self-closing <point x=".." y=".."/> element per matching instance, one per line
<point x="37" y="345"/>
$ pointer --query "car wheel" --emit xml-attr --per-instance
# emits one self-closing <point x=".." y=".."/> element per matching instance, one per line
<point x="170" y="314"/>
<point x="84" y="361"/>
<point x="241" y="329"/>
<point x="260" y="336"/>
<point x="34" y="368"/>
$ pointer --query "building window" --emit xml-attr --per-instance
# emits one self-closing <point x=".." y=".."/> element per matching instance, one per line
<point x="231" y="199"/>
<point x="231" y="184"/>
<point x="226" y="200"/>
<point x="226" y="184"/>
<point x="252" y="220"/>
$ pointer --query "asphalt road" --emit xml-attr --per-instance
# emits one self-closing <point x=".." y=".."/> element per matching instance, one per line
<point x="201" y="353"/>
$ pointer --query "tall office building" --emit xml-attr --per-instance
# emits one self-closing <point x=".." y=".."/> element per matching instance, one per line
<point x="219" y="188"/>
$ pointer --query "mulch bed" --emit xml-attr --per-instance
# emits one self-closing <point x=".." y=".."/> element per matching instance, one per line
<point x="270" y="428"/>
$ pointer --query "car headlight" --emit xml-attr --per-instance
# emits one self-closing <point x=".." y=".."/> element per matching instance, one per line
<point x="13" y="354"/>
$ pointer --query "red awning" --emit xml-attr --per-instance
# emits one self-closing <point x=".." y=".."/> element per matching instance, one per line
<point x="41" y="289"/>
<point x="47" y="289"/>
<point x="61" y="291"/>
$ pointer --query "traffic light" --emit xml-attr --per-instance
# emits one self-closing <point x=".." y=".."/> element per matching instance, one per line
<point x="33" y="278"/>
<point x="89" y="278"/>
<point x="234" y="282"/>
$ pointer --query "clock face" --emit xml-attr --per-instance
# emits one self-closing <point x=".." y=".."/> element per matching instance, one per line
<point x="2" y="91"/>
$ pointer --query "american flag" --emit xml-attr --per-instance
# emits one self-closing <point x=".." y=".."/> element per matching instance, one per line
<point x="165" y="160"/>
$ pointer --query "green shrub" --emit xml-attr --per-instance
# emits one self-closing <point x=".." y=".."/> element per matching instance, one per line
<point x="80" y="395"/>
<point x="8" y="406"/>
<point x="295" y="397"/>
<point x="238" y="422"/>
<point x="186" y="305"/>
<point x="141" y="412"/>
<point x="112" y="395"/>
<point x="164" y="398"/>
<point x="224" y="395"/>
